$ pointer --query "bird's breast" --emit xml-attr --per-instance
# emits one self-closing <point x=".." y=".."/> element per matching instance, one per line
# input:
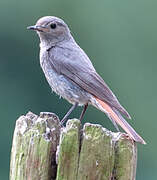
<point x="60" y="84"/>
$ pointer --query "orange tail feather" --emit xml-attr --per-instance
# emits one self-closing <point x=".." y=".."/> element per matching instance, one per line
<point x="121" y="121"/>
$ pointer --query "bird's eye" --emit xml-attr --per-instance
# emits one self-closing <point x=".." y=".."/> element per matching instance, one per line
<point x="53" y="26"/>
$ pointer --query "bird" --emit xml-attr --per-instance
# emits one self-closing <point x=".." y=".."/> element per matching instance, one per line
<point x="71" y="74"/>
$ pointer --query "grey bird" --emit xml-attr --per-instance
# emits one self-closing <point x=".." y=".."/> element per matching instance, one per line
<point x="72" y="76"/>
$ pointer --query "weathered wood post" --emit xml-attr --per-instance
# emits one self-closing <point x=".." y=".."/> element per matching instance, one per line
<point x="42" y="150"/>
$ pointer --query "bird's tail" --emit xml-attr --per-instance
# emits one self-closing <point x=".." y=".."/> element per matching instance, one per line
<point x="114" y="115"/>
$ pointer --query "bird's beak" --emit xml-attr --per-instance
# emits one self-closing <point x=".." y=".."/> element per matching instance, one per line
<point x="38" y="28"/>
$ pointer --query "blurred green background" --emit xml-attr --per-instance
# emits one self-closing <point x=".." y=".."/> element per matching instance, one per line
<point x="120" y="37"/>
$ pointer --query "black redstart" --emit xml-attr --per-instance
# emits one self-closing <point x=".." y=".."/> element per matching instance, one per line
<point x="71" y="74"/>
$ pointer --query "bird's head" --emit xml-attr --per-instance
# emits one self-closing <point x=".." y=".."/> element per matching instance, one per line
<point x="51" y="30"/>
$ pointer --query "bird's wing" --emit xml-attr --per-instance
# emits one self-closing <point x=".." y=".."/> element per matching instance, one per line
<point x="78" y="68"/>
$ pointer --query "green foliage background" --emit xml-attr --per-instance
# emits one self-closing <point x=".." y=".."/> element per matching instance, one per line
<point x="120" y="37"/>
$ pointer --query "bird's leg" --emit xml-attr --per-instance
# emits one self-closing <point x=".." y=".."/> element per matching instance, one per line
<point x="83" y="111"/>
<point x="69" y="112"/>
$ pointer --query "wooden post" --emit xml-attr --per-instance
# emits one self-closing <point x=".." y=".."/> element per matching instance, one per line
<point x="34" y="147"/>
<point x="44" y="151"/>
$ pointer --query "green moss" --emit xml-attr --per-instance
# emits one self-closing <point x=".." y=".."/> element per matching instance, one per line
<point x="32" y="151"/>
<point x="97" y="156"/>
<point x="125" y="159"/>
<point x="69" y="151"/>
